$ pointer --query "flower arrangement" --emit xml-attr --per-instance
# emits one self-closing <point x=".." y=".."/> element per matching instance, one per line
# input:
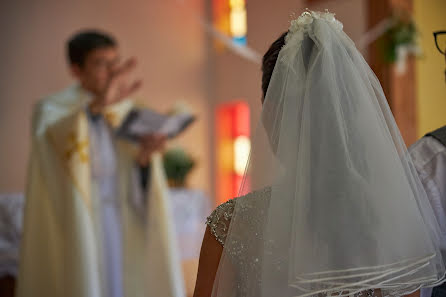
<point x="400" y="40"/>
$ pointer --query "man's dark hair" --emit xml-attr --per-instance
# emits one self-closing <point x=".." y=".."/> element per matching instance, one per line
<point x="269" y="61"/>
<point x="82" y="43"/>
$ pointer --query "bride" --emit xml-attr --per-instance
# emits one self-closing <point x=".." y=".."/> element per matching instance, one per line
<point x="332" y="206"/>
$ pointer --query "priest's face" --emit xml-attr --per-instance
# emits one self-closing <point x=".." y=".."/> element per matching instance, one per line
<point x="96" y="71"/>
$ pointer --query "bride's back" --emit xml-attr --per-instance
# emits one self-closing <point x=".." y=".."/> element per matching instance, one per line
<point x="333" y="204"/>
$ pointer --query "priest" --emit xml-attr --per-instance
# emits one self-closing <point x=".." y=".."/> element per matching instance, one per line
<point x="96" y="217"/>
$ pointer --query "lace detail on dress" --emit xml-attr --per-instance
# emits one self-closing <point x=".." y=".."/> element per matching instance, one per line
<point x="219" y="220"/>
<point x="368" y="293"/>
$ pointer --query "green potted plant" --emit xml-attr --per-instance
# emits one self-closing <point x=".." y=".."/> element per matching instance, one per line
<point x="400" y="40"/>
<point x="177" y="165"/>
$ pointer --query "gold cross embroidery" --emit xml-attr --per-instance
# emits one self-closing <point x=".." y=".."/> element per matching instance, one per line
<point x="77" y="147"/>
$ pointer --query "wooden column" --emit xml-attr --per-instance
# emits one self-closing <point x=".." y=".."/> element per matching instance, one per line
<point x="399" y="88"/>
<point x="403" y="101"/>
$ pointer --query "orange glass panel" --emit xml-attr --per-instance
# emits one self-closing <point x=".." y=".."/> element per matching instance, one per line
<point x="232" y="122"/>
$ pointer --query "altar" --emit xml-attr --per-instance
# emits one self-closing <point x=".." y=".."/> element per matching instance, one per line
<point x="189" y="209"/>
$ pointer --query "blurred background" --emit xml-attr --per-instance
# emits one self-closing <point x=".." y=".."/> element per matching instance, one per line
<point x="206" y="54"/>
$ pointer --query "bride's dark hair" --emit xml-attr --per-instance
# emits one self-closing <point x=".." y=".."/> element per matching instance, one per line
<point x="269" y="61"/>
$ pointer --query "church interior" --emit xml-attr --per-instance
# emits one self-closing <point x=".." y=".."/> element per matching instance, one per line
<point x="202" y="57"/>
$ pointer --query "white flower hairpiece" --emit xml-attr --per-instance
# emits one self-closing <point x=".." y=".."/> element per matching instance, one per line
<point x="307" y="18"/>
<point x="303" y="24"/>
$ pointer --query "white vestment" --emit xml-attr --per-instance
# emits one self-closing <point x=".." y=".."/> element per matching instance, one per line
<point x="88" y="230"/>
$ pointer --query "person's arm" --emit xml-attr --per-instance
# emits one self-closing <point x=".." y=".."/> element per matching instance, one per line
<point x="210" y="254"/>
<point x="117" y="87"/>
<point x="148" y="145"/>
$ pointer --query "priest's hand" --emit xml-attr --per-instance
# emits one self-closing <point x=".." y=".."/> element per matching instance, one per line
<point x="148" y="145"/>
<point x="118" y="87"/>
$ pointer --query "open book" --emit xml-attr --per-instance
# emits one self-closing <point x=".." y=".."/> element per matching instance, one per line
<point x="140" y="122"/>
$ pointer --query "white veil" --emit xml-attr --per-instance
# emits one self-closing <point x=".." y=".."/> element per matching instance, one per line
<point x="334" y="203"/>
